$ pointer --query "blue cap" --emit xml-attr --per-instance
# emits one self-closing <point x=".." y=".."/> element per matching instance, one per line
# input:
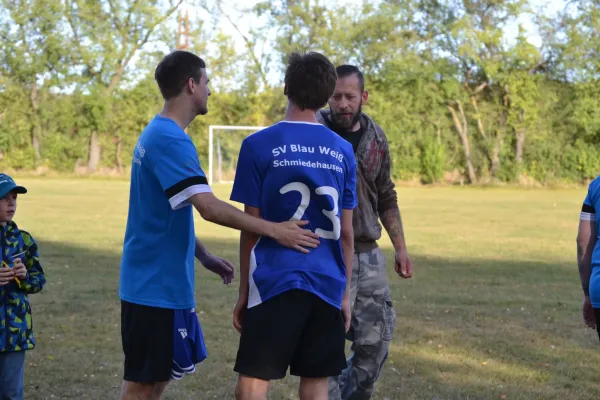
<point x="7" y="185"/>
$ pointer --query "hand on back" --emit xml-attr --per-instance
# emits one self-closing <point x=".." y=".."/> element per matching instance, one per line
<point x="290" y="234"/>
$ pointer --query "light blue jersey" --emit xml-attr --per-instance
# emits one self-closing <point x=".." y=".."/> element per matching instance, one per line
<point x="293" y="171"/>
<point x="157" y="268"/>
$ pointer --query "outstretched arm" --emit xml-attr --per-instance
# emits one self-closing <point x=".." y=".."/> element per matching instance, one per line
<point x="287" y="233"/>
<point x="177" y="168"/>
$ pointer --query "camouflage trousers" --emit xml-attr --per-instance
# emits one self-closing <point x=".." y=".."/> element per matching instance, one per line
<point x="373" y="323"/>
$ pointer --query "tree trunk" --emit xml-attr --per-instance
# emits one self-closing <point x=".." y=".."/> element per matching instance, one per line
<point x="118" y="154"/>
<point x="462" y="129"/>
<point x="95" y="150"/>
<point x="520" y="145"/>
<point x="496" y="154"/>
<point x="520" y="141"/>
<point x="498" y="143"/>
<point x="36" y="127"/>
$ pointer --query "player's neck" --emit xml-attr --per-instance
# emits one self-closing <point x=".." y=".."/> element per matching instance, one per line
<point x="294" y="113"/>
<point x="178" y="113"/>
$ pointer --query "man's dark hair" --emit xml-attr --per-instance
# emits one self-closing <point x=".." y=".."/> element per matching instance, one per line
<point x="175" y="70"/>
<point x="309" y="80"/>
<point x="347" y="70"/>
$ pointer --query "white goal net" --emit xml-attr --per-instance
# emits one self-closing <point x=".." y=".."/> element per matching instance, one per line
<point x="224" y="144"/>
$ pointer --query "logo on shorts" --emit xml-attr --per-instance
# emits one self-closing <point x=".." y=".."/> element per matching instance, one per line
<point x="183" y="332"/>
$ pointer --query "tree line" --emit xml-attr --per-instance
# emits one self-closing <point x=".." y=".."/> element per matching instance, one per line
<point x="461" y="91"/>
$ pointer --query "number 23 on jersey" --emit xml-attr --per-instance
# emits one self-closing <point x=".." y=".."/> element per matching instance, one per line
<point x="305" y="201"/>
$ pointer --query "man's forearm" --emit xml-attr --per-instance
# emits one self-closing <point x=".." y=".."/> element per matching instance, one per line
<point x="584" y="262"/>
<point x="200" y="251"/>
<point x="392" y="222"/>
<point x="222" y="213"/>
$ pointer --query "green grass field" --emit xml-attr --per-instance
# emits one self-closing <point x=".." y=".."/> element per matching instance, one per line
<point x="493" y="310"/>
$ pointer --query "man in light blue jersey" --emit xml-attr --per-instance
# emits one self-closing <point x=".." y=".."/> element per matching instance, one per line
<point x="294" y="309"/>
<point x="588" y="256"/>
<point x="161" y="335"/>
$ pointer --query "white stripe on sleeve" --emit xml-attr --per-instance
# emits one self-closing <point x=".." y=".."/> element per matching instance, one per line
<point x="180" y="199"/>
<point x="586" y="216"/>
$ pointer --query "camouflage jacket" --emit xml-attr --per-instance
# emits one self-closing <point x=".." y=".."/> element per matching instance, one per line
<point x="375" y="189"/>
<point x="16" y="327"/>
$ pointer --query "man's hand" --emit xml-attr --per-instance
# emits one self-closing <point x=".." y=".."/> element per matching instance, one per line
<point x="589" y="318"/>
<point x="346" y="312"/>
<point x="403" y="264"/>
<point x="289" y="234"/>
<point x="19" y="268"/>
<point x="219" y="266"/>
<point x="6" y="275"/>
<point x="238" y="312"/>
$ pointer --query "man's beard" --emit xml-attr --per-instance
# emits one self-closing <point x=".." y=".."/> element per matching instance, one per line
<point x="345" y="124"/>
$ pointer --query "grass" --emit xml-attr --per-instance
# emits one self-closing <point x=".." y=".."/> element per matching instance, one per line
<point x="492" y="312"/>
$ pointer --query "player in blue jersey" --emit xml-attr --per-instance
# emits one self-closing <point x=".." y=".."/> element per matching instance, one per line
<point x="161" y="336"/>
<point x="588" y="256"/>
<point x="293" y="309"/>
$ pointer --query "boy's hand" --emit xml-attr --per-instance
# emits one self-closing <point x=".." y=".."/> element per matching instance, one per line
<point x="238" y="312"/>
<point x="19" y="269"/>
<point x="6" y="275"/>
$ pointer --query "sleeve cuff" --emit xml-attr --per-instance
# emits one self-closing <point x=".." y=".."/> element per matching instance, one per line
<point x="586" y="216"/>
<point x="180" y="193"/>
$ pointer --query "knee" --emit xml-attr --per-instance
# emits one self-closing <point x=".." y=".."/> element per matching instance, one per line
<point x="138" y="390"/>
<point x="238" y="391"/>
<point x="251" y="389"/>
<point x="314" y="388"/>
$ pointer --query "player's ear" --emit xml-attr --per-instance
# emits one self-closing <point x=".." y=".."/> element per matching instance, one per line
<point x="285" y="90"/>
<point x="190" y="85"/>
<point x="365" y="96"/>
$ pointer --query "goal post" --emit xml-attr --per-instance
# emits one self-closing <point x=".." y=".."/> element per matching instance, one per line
<point x="218" y="148"/>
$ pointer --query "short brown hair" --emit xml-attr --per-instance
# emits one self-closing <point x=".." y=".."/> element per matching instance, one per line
<point x="309" y="80"/>
<point x="175" y="70"/>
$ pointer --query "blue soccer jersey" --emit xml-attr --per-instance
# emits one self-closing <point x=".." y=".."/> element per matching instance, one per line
<point x="157" y="267"/>
<point x="293" y="171"/>
<point x="588" y="213"/>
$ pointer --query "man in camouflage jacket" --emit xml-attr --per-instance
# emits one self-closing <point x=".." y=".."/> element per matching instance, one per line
<point x="373" y="315"/>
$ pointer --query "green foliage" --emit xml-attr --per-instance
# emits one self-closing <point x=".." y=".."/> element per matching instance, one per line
<point x="433" y="160"/>
<point x="456" y="98"/>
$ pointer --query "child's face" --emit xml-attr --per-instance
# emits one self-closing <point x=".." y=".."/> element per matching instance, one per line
<point x="8" y="207"/>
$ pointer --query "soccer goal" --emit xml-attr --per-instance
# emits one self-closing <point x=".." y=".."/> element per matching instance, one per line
<point x="224" y="142"/>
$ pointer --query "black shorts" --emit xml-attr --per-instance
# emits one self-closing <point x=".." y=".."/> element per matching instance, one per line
<point x="295" y="329"/>
<point x="147" y="337"/>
